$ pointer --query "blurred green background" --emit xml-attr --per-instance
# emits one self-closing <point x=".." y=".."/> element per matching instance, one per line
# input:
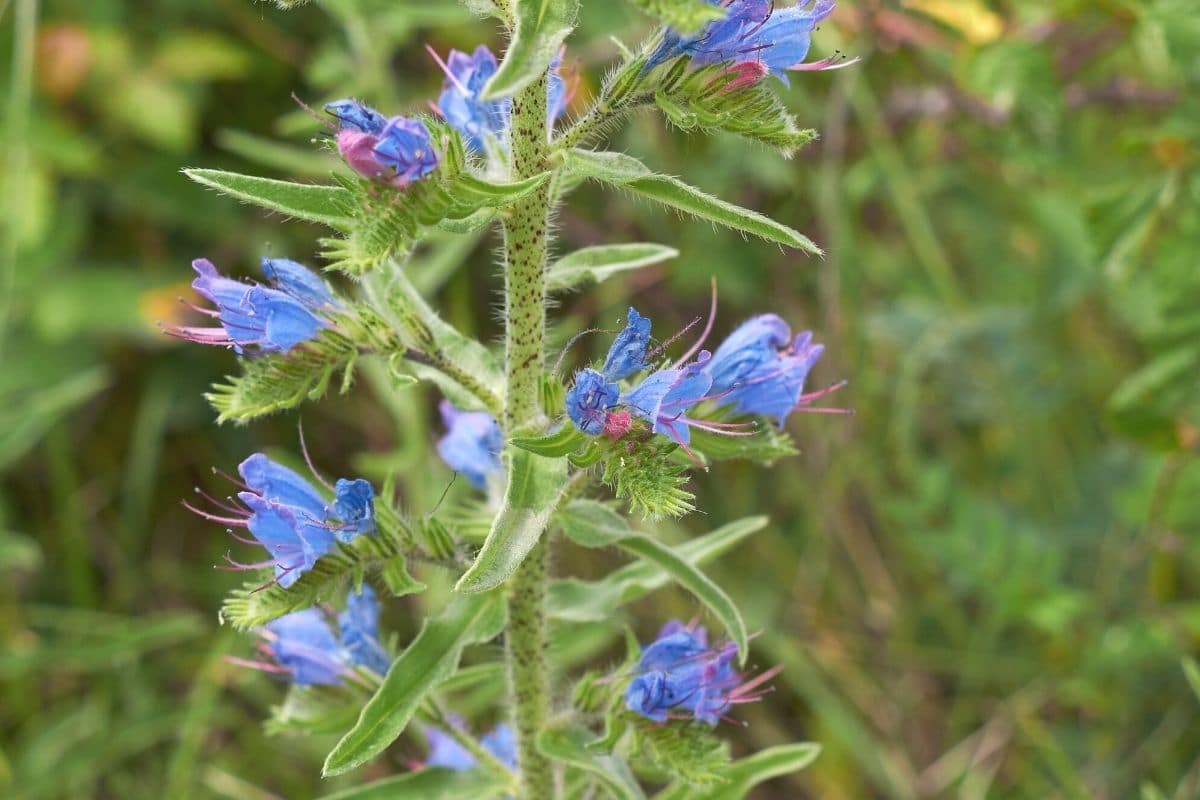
<point x="982" y="585"/>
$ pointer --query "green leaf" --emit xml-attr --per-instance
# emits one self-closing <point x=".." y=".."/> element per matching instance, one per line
<point x="743" y="775"/>
<point x="626" y="172"/>
<point x="765" y="445"/>
<point x="685" y="16"/>
<point x="566" y="439"/>
<point x="592" y="524"/>
<point x="534" y="485"/>
<point x="599" y="263"/>
<point x="431" y="658"/>
<point x="540" y="28"/>
<point x="591" y="601"/>
<point x="313" y="202"/>
<point x="431" y="783"/>
<point x="569" y="746"/>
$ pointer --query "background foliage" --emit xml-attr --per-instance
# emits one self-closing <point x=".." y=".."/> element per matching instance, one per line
<point x="984" y="584"/>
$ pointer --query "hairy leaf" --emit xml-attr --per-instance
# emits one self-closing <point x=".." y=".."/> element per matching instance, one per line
<point x="766" y="445"/>
<point x="324" y="204"/>
<point x="599" y="263"/>
<point x="626" y="172"/>
<point x="534" y="485"/>
<point x="540" y="28"/>
<point x="743" y="775"/>
<point x="569" y="745"/>
<point x="566" y="439"/>
<point x="431" y="658"/>
<point x="592" y="524"/>
<point x="431" y="783"/>
<point x="587" y="601"/>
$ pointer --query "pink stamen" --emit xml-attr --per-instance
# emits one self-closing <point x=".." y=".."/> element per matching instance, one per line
<point x="324" y="120"/>
<point x="307" y="460"/>
<point x="848" y="412"/>
<point x="261" y="666"/>
<point x="712" y="317"/>
<point x="804" y="398"/>
<point x="449" y="75"/>
<point x="241" y="523"/>
<point x="825" y="64"/>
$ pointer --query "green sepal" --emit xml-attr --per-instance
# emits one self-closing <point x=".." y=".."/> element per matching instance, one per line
<point x="567" y="439"/>
<point x="626" y="172"/>
<point x="648" y="477"/>
<point x="690" y="752"/>
<point x="738" y="778"/>
<point x="535" y="484"/>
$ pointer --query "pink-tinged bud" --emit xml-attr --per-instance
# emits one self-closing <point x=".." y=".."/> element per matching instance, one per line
<point x="617" y="424"/>
<point x="359" y="151"/>
<point x="745" y="74"/>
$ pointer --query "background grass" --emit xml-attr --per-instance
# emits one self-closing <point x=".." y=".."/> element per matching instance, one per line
<point x="982" y="585"/>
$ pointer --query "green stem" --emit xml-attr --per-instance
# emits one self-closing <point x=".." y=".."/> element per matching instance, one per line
<point x="525" y="242"/>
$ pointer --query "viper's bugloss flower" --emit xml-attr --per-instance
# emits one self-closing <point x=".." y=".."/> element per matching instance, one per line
<point x="290" y="518"/>
<point x="664" y="398"/>
<point x="476" y="119"/>
<point x="397" y="151"/>
<point x="679" y="675"/>
<point x="590" y="399"/>
<point x="472" y="444"/>
<point x="753" y="31"/>
<point x="254" y="317"/>
<point x="306" y="648"/>
<point x="298" y="281"/>
<point x="445" y="751"/>
<point x="628" y="352"/>
<point x="359" y="625"/>
<point x="761" y="369"/>
<point x="485" y="122"/>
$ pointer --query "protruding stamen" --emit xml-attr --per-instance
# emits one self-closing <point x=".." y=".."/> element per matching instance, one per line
<point x="712" y="317"/>
<point x="449" y="75"/>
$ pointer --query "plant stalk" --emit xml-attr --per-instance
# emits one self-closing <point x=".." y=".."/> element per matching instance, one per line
<point x="525" y="243"/>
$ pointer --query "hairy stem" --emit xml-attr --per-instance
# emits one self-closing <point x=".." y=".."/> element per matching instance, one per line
<point x="525" y="240"/>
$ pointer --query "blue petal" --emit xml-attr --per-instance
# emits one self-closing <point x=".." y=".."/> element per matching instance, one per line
<point x="472" y="444"/>
<point x="297" y="280"/>
<point x="589" y="400"/>
<point x="445" y="751"/>
<point x="405" y="146"/>
<point x="303" y="642"/>
<point x="278" y="484"/>
<point x="628" y="352"/>
<point x="286" y="321"/>
<point x="359" y="625"/>
<point x="357" y="116"/>
<point x="354" y="506"/>
<point x="502" y="743"/>
<point x="754" y="342"/>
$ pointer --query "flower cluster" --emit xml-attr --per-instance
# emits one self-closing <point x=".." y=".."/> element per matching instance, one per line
<point x="303" y="646"/>
<point x="755" y="38"/>
<point x="290" y="518"/>
<point x="396" y="151"/>
<point x="472" y="444"/>
<point x="758" y="370"/>
<point x="445" y="751"/>
<point x="293" y="308"/>
<point x="680" y="675"/>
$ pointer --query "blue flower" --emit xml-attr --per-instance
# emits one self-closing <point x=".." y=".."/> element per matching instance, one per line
<point x="557" y="95"/>
<point x="351" y="513"/>
<point x="476" y="119"/>
<point x="590" y="399"/>
<point x="472" y="444"/>
<point x="665" y="397"/>
<point x="354" y="506"/>
<point x="397" y="151"/>
<point x="303" y="644"/>
<point x="628" y="352"/>
<point x="251" y="316"/>
<point x="293" y="545"/>
<point x="761" y="369"/>
<point x="753" y="31"/>
<point x="679" y="672"/>
<point x="445" y="751"/>
<point x="297" y="280"/>
<point x="359" y="625"/>
<point x="306" y="647"/>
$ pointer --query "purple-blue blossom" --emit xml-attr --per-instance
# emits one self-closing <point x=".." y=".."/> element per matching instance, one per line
<point x="590" y="399"/>
<point x="397" y="151"/>
<point x="251" y="316"/>
<point x="761" y="369"/>
<point x="664" y="398"/>
<point x="306" y="648"/>
<point x="753" y="31"/>
<point x="679" y="675"/>
<point x="297" y="280"/>
<point x="627" y="354"/>
<point x="445" y="751"/>
<point x="359" y="626"/>
<point x="472" y="444"/>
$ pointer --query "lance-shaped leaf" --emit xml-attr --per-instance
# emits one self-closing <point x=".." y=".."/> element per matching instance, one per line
<point x="626" y="172"/>
<point x="592" y="524"/>
<point x="743" y="775"/>
<point x="685" y="16"/>
<point x="324" y="204"/>
<point x="569" y="745"/>
<point x="540" y="27"/>
<point x="590" y="601"/>
<point x="431" y="783"/>
<point x="599" y="263"/>
<point x="431" y="658"/>
<point x="535" y="484"/>
<point x="567" y="439"/>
